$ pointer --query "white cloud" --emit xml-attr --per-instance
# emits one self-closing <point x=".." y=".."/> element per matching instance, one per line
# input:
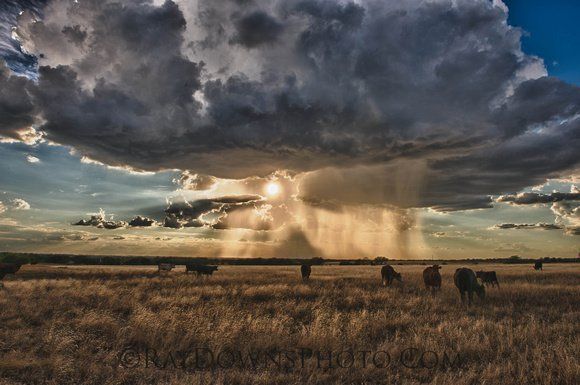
<point x="32" y="159"/>
<point x="19" y="204"/>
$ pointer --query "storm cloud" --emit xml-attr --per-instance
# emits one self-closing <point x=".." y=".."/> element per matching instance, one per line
<point x="332" y="89"/>
<point x="528" y="226"/>
<point x="255" y="29"/>
<point x="208" y="212"/>
<point x="528" y="198"/>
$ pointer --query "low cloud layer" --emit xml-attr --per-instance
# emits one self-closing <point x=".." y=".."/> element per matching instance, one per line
<point x="239" y="89"/>
<point x="99" y="220"/>
<point x="528" y="226"/>
<point x="14" y="204"/>
<point x="212" y="212"/>
<point x="530" y="198"/>
<point x="564" y="205"/>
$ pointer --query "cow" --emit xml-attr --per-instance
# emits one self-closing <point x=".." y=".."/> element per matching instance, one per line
<point x="8" y="268"/>
<point x="488" y="277"/>
<point x="432" y="277"/>
<point x="165" y="267"/>
<point x="538" y="265"/>
<point x="388" y="274"/>
<point x="466" y="282"/>
<point x="305" y="270"/>
<point x="200" y="269"/>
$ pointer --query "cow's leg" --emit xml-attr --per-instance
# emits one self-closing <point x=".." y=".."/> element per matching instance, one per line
<point x="497" y="283"/>
<point x="462" y="296"/>
<point x="469" y="297"/>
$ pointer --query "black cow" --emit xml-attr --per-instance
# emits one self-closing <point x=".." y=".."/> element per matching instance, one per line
<point x="538" y="265"/>
<point x="8" y="268"/>
<point x="388" y="274"/>
<point x="200" y="269"/>
<point x="466" y="282"/>
<point x="305" y="270"/>
<point x="488" y="277"/>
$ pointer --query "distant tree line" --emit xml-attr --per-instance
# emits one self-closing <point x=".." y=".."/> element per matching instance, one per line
<point x="73" y="259"/>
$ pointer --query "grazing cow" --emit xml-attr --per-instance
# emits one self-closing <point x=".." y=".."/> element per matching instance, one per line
<point x="538" y="265"/>
<point x="389" y="274"/>
<point x="200" y="269"/>
<point x="488" y="277"/>
<point x="8" y="268"/>
<point x="432" y="277"/>
<point x="466" y="282"/>
<point x="305" y="270"/>
<point x="165" y="267"/>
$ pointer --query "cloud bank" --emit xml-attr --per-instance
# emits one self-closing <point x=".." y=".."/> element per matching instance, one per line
<point x="236" y="89"/>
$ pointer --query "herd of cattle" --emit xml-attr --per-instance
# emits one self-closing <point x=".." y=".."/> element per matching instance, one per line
<point x="465" y="279"/>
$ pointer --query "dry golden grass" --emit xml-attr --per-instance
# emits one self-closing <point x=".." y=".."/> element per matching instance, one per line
<point x="71" y="325"/>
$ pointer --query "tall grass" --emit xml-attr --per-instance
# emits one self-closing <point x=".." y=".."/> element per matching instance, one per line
<point x="73" y="325"/>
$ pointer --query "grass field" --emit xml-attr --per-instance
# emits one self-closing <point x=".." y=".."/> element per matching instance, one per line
<point x="128" y="325"/>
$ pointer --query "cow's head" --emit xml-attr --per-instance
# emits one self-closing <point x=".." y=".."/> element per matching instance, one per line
<point x="436" y="267"/>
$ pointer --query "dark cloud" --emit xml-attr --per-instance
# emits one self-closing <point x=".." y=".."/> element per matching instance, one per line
<point x="528" y="198"/>
<point x="140" y="221"/>
<point x="75" y="34"/>
<point x="528" y="226"/>
<point x="16" y="107"/>
<point x="442" y="86"/>
<point x="99" y="220"/>
<point x="256" y="29"/>
<point x="208" y="212"/>
<point x="199" y="207"/>
<point x="172" y="222"/>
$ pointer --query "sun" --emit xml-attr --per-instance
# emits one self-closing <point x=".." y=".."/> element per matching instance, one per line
<point x="273" y="189"/>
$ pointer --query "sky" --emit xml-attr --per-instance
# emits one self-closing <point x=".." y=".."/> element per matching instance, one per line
<point x="339" y="129"/>
<point x="551" y="33"/>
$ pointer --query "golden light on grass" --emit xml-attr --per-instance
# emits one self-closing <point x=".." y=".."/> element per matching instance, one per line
<point x="68" y="325"/>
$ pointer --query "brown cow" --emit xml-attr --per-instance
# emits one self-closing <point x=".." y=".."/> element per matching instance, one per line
<point x="305" y="270"/>
<point x="432" y="277"/>
<point x="8" y="268"/>
<point x="388" y="274"/>
<point x="466" y="282"/>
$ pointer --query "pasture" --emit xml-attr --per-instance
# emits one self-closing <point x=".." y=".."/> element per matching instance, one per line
<point x="130" y="325"/>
